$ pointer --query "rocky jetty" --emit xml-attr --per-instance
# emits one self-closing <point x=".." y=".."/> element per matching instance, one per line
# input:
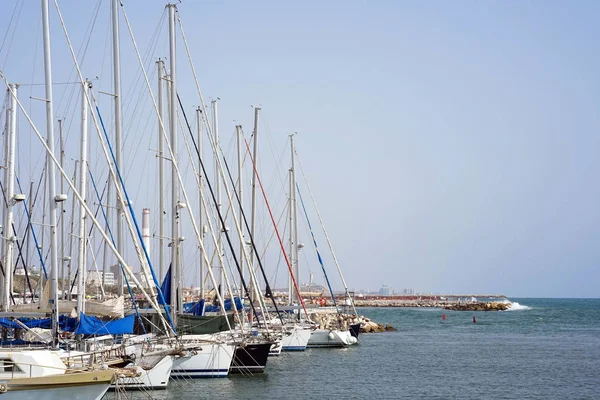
<point x="330" y="320"/>
<point x="478" y="306"/>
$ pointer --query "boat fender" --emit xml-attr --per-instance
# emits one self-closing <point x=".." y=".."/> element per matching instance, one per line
<point x="352" y="340"/>
<point x="331" y="336"/>
<point x="3" y="388"/>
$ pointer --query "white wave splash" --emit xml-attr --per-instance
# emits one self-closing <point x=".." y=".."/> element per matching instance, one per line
<point x="514" y="306"/>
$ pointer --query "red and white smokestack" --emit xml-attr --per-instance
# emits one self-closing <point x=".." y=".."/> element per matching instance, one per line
<point x="146" y="228"/>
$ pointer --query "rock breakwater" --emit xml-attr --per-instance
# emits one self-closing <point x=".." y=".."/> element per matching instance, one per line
<point x="330" y="320"/>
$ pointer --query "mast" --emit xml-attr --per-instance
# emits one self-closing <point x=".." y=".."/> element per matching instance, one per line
<point x="175" y="278"/>
<point x="29" y="261"/>
<point x="201" y="198"/>
<point x="238" y="129"/>
<point x="81" y="271"/>
<point x="291" y="217"/>
<point x="62" y="212"/>
<point x="53" y="199"/>
<point x="253" y="209"/>
<point x="118" y="124"/>
<point x="218" y="190"/>
<point x="161" y="174"/>
<point x="9" y="182"/>
<point x="293" y="207"/>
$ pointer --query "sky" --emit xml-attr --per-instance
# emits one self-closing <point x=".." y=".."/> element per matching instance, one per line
<point x="452" y="147"/>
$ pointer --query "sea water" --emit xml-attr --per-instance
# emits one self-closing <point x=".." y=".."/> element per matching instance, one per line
<point x="540" y="349"/>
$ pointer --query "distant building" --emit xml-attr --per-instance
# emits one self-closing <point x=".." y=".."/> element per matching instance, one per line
<point x="95" y="278"/>
<point x="408" y="291"/>
<point x="385" y="290"/>
<point x="142" y="279"/>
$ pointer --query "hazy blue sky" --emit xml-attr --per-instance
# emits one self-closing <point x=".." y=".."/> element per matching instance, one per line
<point x="452" y="146"/>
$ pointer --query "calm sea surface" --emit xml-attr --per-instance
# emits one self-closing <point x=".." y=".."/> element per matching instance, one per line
<point x="545" y="349"/>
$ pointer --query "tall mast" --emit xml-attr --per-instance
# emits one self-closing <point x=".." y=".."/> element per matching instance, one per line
<point x="51" y="171"/>
<point x="215" y="121"/>
<point x="161" y="174"/>
<point x="201" y="198"/>
<point x="175" y="278"/>
<point x="291" y="217"/>
<point x="118" y="122"/>
<point x="62" y="211"/>
<point x="9" y="182"/>
<point x="293" y="205"/>
<point x="253" y="209"/>
<point x="238" y="129"/>
<point x="81" y="271"/>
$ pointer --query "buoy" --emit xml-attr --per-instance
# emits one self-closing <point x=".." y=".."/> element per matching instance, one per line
<point x="474" y="320"/>
<point x="444" y="317"/>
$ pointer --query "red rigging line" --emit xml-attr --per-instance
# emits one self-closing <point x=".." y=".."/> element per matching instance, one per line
<point x="287" y="261"/>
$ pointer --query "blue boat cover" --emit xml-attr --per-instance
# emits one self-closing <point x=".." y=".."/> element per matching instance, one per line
<point x="214" y="308"/>
<point x="94" y="326"/>
<point x="195" y="308"/>
<point x="7" y="323"/>
<point x="165" y="287"/>
<point x="66" y="324"/>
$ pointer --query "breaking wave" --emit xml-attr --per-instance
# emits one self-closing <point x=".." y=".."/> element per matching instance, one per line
<point x="514" y="306"/>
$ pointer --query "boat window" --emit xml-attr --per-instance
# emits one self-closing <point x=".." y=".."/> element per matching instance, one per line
<point x="8" y="365"/>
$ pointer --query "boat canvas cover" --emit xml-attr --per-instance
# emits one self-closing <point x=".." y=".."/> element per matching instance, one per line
<point x="165" y="287"/>
<point x="109" y="308"/>
<point x="195" y="308"/>
<point x="66" y="324"/>
<point x="215" y="308"/>
<point x="90" y="325"/>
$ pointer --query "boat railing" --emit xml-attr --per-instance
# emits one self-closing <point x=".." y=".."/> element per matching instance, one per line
<point x="17" y="366"/>
<point x="94" y="357"/>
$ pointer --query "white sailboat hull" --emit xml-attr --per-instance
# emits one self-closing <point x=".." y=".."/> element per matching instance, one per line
<point x="212" y="361"/>
<point x="76" y="385"/>
<point x="331" y="338"/>
<point x="88" y="392"/>
<point x="297" y="340"/>
<point x="155" y="378"/>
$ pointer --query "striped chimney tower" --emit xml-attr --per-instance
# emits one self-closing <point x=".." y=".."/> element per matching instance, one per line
<point x="146" y="228"/>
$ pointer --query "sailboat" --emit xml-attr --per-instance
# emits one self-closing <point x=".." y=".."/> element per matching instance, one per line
<point x="322" y="336"/>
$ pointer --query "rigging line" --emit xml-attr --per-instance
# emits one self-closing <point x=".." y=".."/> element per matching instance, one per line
<point x="91" y="250"/>
<point x="9" y="24"/>
<point x="268" y="292"/>
<point x="54" y="160"/>
<point x="13" y="33"/>
<point x="112" y="238"/>
<point x="119" y="257"/>
<point x="276" y="230"/>
<point x="91" y="228"/>
<point x="326" y="236"/>
<point x="37" y="244"/>
<point x="137" y="228"/>
<point x="19" y="247"/>
<point x="171" y="153"/>
<point x="317" y="249"/>
<point x="271" y="142"/>
<point x="53" y="84"/>
<point x="33" y="68"/>
<point x="273" y="233"/>
<point x="82" y="51"/>
<point x="276" y="272"/>
<point x="229" y="206"/>
<point x="219" y="213"/>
